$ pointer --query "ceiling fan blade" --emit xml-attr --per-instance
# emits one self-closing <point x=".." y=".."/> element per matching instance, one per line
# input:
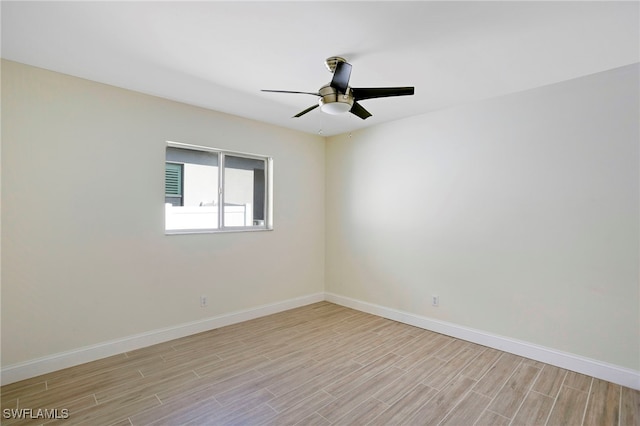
<point x="380" y="92"/>
<point x="290" y="91"/>
<point x="306" y="111"/>
<point x="359" y="110"/>
<point x="341" y="75"/>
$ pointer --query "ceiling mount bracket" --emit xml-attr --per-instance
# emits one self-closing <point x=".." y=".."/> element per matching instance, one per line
<point x="332" y="62"/>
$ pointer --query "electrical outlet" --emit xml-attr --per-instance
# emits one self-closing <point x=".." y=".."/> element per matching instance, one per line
<point x="435" y="300"/>
<point x="203" y="301"/>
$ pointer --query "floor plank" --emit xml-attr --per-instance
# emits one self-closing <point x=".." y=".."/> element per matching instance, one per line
<point x="604" y="404"/>
<point x="569" y="407"/>
<point x="629" y="407"/>
<point x="467" y="411"/>
<point x="550" y="380"/>
<point x="512" y="394"/>
<point x="437" y="408"/>
<point x="406" y="407"/>
<point x="534" y="410"/>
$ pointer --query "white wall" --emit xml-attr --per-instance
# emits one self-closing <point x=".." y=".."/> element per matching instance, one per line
<point x="84" y="256"/>
<point x="520" y="212"/>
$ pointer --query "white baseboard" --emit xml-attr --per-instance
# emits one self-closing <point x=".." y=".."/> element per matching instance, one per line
<point x="601" y="370"/>
<point x="612" y="373"/>
<point x="47" y="364"/>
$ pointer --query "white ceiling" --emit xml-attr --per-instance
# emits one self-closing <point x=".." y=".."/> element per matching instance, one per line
<point x="219" y="55"/>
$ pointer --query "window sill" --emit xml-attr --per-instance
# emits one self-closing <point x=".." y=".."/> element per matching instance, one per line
<point x="214" y="231"/>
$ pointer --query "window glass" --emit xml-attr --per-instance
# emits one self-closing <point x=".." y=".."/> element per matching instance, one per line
<point x="244" y="191"/>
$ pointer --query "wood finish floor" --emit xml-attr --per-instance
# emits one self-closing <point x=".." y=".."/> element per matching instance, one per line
<point x="321" y="364"/>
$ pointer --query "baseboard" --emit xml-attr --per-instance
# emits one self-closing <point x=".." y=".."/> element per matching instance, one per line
<point x="47" y="364"/>
<point x="612" y="373"/>
<point x="601" y="370"/>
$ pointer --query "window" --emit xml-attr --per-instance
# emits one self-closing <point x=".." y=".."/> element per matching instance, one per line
<point x="209" y="190"/>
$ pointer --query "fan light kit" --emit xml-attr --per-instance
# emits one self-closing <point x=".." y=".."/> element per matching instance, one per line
<point x="337" y="97"/>
<point x="334" y="102"/>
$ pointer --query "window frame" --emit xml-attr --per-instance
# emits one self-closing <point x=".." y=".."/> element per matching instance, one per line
<point x="222" y="153"/>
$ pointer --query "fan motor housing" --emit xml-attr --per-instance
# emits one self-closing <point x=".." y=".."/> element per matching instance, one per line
<point x="333" y="102"/>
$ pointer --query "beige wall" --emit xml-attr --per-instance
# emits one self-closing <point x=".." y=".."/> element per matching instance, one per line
<point x="520" y="213"/>
<point x="84" y="255"/>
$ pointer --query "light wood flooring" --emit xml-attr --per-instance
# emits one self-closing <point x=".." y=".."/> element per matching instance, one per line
<point x="321" y="364"/>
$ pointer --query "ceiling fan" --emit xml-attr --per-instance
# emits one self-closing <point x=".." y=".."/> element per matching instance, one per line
<point x="337" y="97"/>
